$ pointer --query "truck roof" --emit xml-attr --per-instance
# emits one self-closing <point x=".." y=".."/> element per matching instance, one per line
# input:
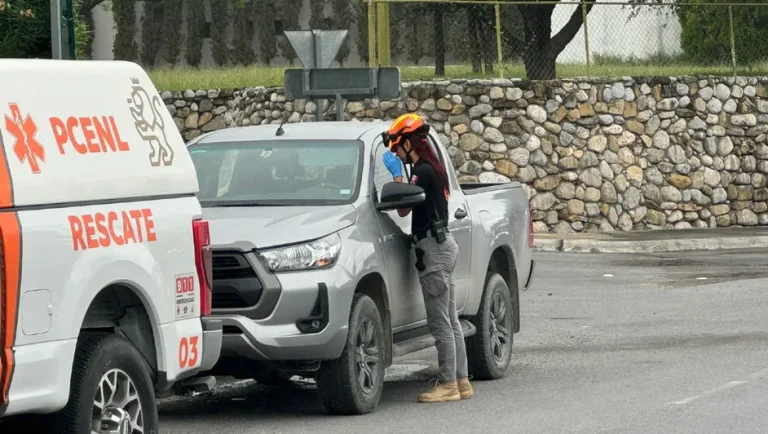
<point x="73" y="131"/>
<point x="333" y="130"/>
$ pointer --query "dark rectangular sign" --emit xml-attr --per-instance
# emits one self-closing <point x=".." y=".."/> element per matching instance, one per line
<point x="350" y="83"/>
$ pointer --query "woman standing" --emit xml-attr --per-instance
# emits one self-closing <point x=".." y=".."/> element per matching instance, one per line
<point x="436" y="248"/>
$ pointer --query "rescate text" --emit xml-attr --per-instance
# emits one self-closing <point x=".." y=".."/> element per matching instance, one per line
<point x="105" y="229"/>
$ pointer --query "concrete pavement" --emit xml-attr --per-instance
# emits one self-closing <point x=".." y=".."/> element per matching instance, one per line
<point x="654" y="241"/>
<point x="610" y="343"/>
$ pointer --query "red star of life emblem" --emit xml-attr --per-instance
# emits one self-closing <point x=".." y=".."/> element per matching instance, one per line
<point x="23" y="129"/>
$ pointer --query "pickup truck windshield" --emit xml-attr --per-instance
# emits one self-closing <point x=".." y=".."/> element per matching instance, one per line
<point x="309" y="172"/>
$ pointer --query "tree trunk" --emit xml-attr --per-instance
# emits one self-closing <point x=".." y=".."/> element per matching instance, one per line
<point x="540" y="65"/>
<point x="488" y="37"/>
<point x="474" y="38"/>
<point x="541" y="48"/>
<point x="439" y="40"/>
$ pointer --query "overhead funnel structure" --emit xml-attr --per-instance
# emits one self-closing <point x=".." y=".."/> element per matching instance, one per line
<point x="316" y="48"/>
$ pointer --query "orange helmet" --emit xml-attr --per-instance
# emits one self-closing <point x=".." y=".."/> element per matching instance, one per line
<point x="403" y="126"/>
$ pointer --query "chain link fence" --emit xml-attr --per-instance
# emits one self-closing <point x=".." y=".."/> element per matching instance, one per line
<point x="552" y="39"/>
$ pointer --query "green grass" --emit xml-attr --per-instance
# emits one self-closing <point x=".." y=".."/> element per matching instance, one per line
<point x="240" y="77"/>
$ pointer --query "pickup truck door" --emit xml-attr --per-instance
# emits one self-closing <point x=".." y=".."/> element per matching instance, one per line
<point x="460" y="225"/>
<point x="406" y="301"/>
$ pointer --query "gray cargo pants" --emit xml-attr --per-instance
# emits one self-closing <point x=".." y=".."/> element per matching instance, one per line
<point x="439" y="300"/>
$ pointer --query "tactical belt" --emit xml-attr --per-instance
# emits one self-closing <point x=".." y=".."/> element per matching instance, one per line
<point x="418" y="236"/>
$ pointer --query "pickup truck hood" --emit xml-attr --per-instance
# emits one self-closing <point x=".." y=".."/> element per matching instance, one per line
<point x="267" y="226"/>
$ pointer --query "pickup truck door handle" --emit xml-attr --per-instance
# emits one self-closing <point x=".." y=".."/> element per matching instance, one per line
<point x="460" y="213"/>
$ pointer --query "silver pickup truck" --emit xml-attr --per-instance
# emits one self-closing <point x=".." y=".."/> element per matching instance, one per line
<point x="313" y="268"/>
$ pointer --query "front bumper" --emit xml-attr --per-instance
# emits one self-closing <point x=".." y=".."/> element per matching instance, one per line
<point x="213" y="336"/>
<point x="531" y="271"/>
<point x="309" y="321"/>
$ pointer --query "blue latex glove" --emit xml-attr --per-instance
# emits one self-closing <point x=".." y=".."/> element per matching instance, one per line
<point x="393" y="164"/>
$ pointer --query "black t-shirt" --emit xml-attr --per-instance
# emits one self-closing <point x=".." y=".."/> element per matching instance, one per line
<point x="435" y="207"/>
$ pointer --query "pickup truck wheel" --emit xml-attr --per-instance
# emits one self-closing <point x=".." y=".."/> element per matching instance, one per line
<point x="352" y="384"/>
<point x="489" y="351"/>
<point x="111" y="389"/>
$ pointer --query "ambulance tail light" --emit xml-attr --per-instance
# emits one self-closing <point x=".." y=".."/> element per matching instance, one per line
<point x="203" y="263"/>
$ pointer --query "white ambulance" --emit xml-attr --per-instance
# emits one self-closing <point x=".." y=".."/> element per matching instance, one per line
<point x="105" y="264"/>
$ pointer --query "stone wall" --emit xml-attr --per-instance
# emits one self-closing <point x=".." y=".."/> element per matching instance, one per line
<point x="624" y="154"/>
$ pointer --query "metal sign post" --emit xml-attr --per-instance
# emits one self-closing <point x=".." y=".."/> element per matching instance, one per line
<point x="56" y="19"/>
<point x="62" y="29"/>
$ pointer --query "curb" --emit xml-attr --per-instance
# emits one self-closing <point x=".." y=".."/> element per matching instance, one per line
<point x="648" y="246"/>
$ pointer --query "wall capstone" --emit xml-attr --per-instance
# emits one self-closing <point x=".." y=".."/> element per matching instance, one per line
<point x="593" y="155"/>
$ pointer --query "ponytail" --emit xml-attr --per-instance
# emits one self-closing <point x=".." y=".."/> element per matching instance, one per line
<point x="426" y="152"/>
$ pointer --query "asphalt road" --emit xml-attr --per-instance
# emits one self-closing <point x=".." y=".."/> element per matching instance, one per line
<point x="663" y="343"/>
<point x="652" y="343"/>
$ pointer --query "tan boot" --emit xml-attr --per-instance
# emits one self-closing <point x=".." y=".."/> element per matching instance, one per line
<point x="442" y="393"/>
<point x="465" y="388"/>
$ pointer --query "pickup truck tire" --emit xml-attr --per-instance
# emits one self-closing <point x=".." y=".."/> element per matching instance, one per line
<point x="489" y="351"/>
<point x="352" y="384"/>
<point x="109" y="365"/>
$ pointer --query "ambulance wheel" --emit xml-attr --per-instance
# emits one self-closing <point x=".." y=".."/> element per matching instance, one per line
<point x="111" y="389"/>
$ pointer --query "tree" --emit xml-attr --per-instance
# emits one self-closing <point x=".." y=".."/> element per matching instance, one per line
<point x="361" y="39"/>
<point x="481" y="28"/>
<point x="541" y="47"/>
<point x="343" y="16"/>
<point x="219" y="23"/>
<point x="125" y="47"/>
<point x="265" y="27"/>
<point x="151" y="28"/>
<point x="172" y="31"/>
<point x="705" y="37"/>
<point x="317" y="20"/>
<point x="195" y="32"/>
<point x="288" y="13"/>
<point x="242" y="37"/>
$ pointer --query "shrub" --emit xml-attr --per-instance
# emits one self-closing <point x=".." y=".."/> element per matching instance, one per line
<point x="25" y="29"/>
<point x="705" y="35"/>
<point x="151" y="31"/>
<point x="195" y="29"/>
<point x="219" y="22"/>
<point x="125" y="46"/>
<point x="172" y="31"/>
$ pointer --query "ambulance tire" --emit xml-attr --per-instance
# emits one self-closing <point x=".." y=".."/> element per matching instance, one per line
<point x="98" y="353"/>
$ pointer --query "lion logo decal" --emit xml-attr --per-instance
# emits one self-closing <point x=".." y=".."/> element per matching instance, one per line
<point x="149" y="123"/>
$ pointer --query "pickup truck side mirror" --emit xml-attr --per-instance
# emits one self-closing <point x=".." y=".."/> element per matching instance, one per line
<point x="396" y="195"/>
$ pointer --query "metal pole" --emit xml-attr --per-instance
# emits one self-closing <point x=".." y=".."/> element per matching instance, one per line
<point x="339" y="107"/>
<point x="56" y="29"/>
<point x="382" y="19"/>
<point x="499" y="52"/>
<point x="70" y="20"/>
<point x="586" y="39"/>
<point x="371" y="34"/>
<point x="315" y="61"/>
<point x="733" y="39"/>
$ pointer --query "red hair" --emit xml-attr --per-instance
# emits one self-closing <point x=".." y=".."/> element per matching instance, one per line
<point x="422" y="148"/>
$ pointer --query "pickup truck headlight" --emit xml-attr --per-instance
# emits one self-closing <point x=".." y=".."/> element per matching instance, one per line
<point x="320" y="253"/>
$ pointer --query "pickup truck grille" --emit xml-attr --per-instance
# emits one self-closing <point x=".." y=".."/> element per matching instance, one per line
<point x="235" y="283"/>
